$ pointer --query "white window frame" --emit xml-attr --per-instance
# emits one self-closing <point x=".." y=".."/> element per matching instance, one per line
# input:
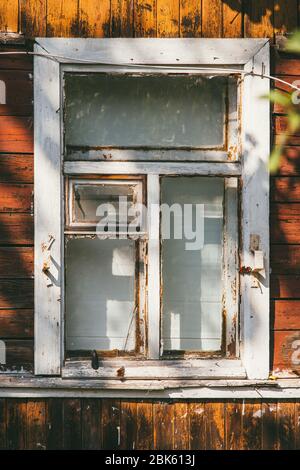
<point x="247" y="55"/>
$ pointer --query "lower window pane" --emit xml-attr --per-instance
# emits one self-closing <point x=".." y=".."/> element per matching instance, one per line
<point x="192" y="263"/>
<point x="100" y="293"/>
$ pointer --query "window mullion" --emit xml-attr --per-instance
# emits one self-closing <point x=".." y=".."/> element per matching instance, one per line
<point x="153" y="201"/>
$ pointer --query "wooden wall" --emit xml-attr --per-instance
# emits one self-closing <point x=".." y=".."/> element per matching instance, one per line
<point x="162" y="18"/>
<point x="149" y="18"/>
<point x="114" y="424"/>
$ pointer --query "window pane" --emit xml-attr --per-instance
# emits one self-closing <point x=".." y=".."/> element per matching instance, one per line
<point x="105" y="110"/>
<point x="113" y="203"/>
<point x="192" y="278"/>
<point x="100" y="279"/>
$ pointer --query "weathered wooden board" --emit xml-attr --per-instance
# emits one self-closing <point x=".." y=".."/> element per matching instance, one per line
<point x="145" y="25"/>
<point x="285" y="259"/>
<point x="286" y="314"/>
<point x="16" y="323"/>
<point x="16" y="293"/>
<point x="16" y="262"/>
<point x="286" y="351"/>
<point x="33" y="17"/>
<point x="16" y="134"/>
<point x="16" y="229"/>
<point x="285" y="287"/>
<point x="9" y="16"/>
<point x="16" y="168"/>
<point x="285" y="223"/>
<point x="62" y="18"/>
<point x="94" y="18"/>
<point x="18" y="93"/>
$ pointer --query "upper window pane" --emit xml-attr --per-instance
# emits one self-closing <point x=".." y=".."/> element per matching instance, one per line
<point x="158" y="111"/>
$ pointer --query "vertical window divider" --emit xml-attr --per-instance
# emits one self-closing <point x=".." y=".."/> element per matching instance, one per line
<point x="153" y="294"/>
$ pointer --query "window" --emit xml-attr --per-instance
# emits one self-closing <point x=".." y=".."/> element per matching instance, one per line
<point x="156" y="203"/>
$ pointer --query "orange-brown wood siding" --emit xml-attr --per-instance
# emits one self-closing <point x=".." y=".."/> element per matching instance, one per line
<point x="135" y="18"/>
<point x="56" y="423"/>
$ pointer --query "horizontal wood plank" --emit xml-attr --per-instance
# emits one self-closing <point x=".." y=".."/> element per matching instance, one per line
<point x="290" y="162"/>
<point x="287" y="66"/>
<point x="15" y="197"/>
<point x="19" y="353"/>
<point x="16" y="229"/>
<point x="285" y="259"/>
<point x="15" y="61"/>
<point x="16" y="293"/>
<point x="285" y="223"/>
<point x="285" y="287"/>
<point x="287" y="351"/>
<point x="18" y="93"/>
<point x="16" y="168"/>
<point x="16" y="262"/>
<point x="286" y="314"/>
<point x="16" y="134"/>
<point x="16" y="323"/>
<point x="285" y="189"/>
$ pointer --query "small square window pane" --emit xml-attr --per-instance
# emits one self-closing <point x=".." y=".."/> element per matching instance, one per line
<point x="192" y="278"/>
<point x="114" y="203"/>
<point x="167" y="111"/>
<point x="100" y="294"/>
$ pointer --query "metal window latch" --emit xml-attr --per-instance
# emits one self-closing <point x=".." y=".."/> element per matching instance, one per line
<point x="46" y="248"/>
<point x="95" y="360"/>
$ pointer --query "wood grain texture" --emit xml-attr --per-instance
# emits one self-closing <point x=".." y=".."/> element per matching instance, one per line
<point x="259" y="19"/>
<point x="16" y="168"/>
<point x="16" y="134"/>
<point x="145" y="15"/>
<point x="16" y="293"/>
<point x="285" y="259"/>
<point x="252" y="426"/>
<point x="232" y="18"/>
<point x="16" y="262"/>
<point x="3" y="444"/>
<point x="42" y="423"/>
<point x="9" y="16"/>
<point x="144" y="426"/>
<point x="167" y="18"/>
<point x="36" y="435"/>
<point x="286" y="314"/>
<point x="286" y="426"/>
<point x="286" y="351"/>
<point x="54" y="423"/>
<point x="285" y="287"/>
<point x="190" y="18"/>
<point x="33" y="17"/>
<point x="285" y="223"/>
<point x="128" y="431"/>
<point x="91" y="424"/>
<point x="16" y="423"/>
<point x="94" y="18"/>
<point x="72" y="424"/>
<point x="290" y="162"/>
<point x="285" y="16"/>
<point x="163" y="425"/>
<point x="19" y="354"/>
<point x="181" y="426"/>
<point x="15" y="197"/>
<point x="197" y="426"/>
<point x="18" y="93"/>
<point x="211" y="18"/>
<point x="111" y="412"/>
<point x="285" y="189"/>
<point x="62" y="18"/>
<point x="234" y="425"/>
<point x="121" y="18"/>
<point x="269" y="426"/>
<point x="215" y="429"/>
<point x="16" y="323"/>
<point x="16" y="229"/>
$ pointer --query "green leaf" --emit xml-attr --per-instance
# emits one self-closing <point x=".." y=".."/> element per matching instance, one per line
<point x="293" y="121"/>
<point x="278" y="97"/>
<point x="293" y="44"/>
<point x="274" y="161"/>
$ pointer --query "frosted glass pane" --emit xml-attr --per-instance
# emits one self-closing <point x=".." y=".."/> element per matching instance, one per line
<point x="89" y="198"/>
<point x="192" y="279"/>
<point x="153" y="111"/>
<point x="100" y="294"/>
